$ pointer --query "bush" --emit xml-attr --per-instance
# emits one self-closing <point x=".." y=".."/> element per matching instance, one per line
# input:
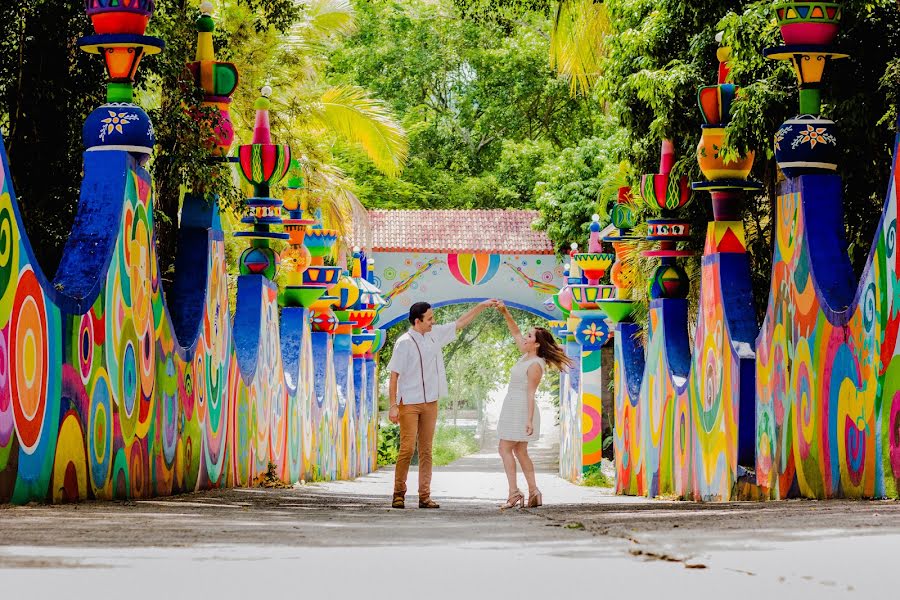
<point x="388" y="444"/>
<point x="451" y="443"/>
<point x="596" y="478"/>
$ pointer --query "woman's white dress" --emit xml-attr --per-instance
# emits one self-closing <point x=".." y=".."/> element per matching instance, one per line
<point x="514" y="414"/>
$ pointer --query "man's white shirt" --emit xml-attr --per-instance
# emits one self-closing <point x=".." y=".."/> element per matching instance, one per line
<point x="422" y="379"/>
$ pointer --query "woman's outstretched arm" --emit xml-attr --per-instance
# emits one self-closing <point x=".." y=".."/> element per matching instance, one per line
<point x="511" y="324"/>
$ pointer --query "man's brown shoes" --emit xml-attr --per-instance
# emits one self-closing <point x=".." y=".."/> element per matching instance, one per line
<point x="400" y="502"/>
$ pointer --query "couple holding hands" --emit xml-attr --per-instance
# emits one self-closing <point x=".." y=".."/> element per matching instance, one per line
<point x="418" y="380"/>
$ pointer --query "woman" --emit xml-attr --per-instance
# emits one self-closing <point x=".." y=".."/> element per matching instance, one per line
<point x="520" y="421"/>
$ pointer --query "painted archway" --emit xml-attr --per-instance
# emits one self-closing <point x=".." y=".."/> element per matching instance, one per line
<point x="448" y="257"/>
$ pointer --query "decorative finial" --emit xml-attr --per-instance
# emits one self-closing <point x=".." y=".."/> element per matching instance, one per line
<point x="217" y="79"/>
<point x="120" y="41"/>
<point x="595" y="245"/>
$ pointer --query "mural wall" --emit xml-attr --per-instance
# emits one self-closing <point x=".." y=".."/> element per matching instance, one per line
<point x="525" y="281"/>
<point x="808" y="404"/>
<point x="99" y="398"/>
<point x="828" y="373"/>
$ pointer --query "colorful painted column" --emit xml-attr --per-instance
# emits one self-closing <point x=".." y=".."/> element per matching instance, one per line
<point x="629" y="358"/>
<point x="569" y="385"/>
<point x="587" y="323"/>
<point x="827" y="386"/>
<point x="663" y="389"/>
<point x="719" y="417"/>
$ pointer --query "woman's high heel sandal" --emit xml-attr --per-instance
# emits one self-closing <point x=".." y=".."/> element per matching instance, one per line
<point x="515" y="498"/>
<point x="535" y="499"/>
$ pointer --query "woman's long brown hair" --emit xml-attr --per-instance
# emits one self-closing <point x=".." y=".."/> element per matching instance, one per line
<point x="550" y="351"/>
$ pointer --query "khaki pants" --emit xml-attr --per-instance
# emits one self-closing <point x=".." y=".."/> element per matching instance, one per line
<point x="417" y="422"/>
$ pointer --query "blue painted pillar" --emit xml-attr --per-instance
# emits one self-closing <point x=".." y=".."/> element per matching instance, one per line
<point x="342" y="358"/>
<point x="322" y="351"/>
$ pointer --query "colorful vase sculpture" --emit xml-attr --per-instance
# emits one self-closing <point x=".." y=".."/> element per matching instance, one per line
<point x="807" y="143"/>
<point x="661" y="193"/>
<point x="808" y="23"/>
<point x="296" y="257"/>
<point x="218" y="80"/>
<point x="727" y="180"/>
<point x="262" y="163"/>
<point x="623" y="274"/>
<point x="120" y="124"/>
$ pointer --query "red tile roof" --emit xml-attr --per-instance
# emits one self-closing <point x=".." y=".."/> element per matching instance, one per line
<point x="492" y="231"/>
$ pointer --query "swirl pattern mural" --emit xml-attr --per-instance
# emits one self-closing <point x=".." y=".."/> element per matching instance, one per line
<point x="823" y="410"/>
<point x="100" y="399"/>
<point x="827" y="354"/>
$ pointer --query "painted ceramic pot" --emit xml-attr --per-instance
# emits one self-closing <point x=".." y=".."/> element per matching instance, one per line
<point x="346" y="291"/>
<point x="362" y="318"/>
<point x="594" y="265"/>
<point x="661" y="193"/>
<point x="623" y="214"/>
<point x="713" y="166"/>
<point x="324" y="321"/>
<point x="119" y="126"/>
<point x="301" y="295"/>
<point x="263" y="164"/>
<point x="667" y="230"/>
<point x="623" y="275"/>
<point x="715" y="102"/>
<point x="617" y="310"/>
<point x="319" y="241"/>
<point x="296" y="259"/>
<point x="324" y="303"/>
<point x="118" y="16"/>
<point x="362" y="344"/>
<point x="669" y="281"/>
<point x="321" y="275"/>
<point x="808" y="23"/>
<point x="563" y="300"/>
<point x="592" y="331"/>
<point x="260" y="261"/>
<point x="806" y="144"/>
<point x="587" y="296"/>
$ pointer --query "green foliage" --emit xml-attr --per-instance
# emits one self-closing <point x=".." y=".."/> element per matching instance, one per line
<point x="479" y="102"/>
<point x="388" y="444"/>
<point x="452" y="443"/>
<point x="47" y="89"/>
<point x="572" y="186"/>
<point x="596" y="478"/>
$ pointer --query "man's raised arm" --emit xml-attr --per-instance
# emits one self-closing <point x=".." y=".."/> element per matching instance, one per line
<point x="476" y="310"/>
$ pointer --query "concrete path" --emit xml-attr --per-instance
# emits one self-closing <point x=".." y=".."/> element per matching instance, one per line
<point x="341" y="540"/>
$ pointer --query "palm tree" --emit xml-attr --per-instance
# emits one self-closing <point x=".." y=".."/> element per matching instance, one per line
<point x="308" y="114"/>
<point x="576" y="41"/>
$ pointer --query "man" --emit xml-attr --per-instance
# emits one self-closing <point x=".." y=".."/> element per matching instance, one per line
<point x="418" y="380"/>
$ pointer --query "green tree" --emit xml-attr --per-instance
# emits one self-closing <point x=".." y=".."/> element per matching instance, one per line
<point x="47" y="89"/>
<point x="470" y="94"/>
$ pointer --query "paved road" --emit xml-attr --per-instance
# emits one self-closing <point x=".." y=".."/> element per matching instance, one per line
<point x="340" y="540"/>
